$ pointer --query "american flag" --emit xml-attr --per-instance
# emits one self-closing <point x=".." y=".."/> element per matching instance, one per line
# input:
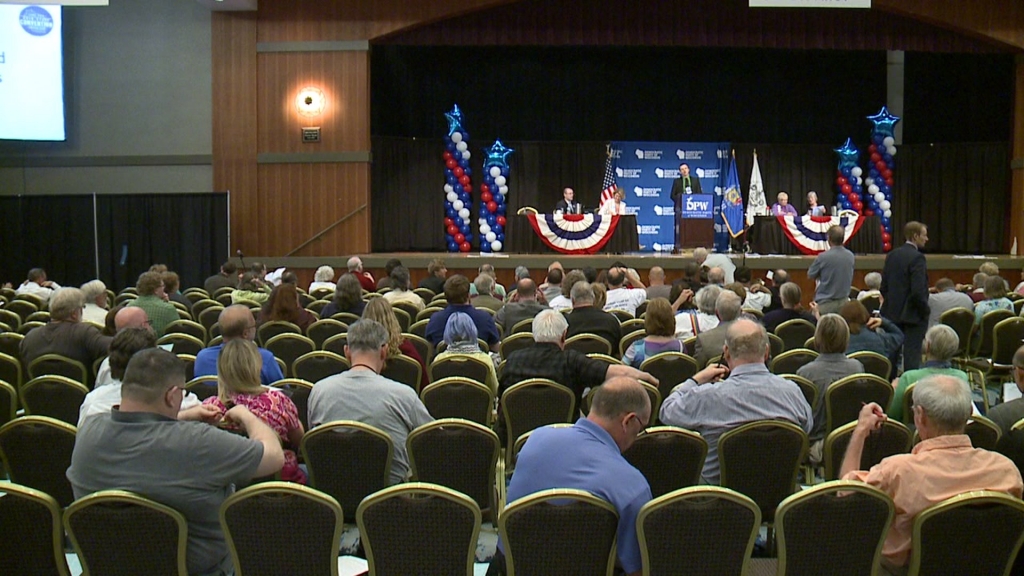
<point x="609" y="177"/>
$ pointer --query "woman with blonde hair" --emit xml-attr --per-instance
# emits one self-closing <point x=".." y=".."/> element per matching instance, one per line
<point x="238" y="383"/>
<point x="380" y="310"/>
<point x="660" y="324"/>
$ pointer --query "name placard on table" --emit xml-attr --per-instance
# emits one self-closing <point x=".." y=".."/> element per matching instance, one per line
<point x="697" y="206"/>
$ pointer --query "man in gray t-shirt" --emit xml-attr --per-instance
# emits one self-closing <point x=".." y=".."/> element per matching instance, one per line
<point x="363" y="395"/>
<point x="142" y="447"/>
<point x="833" y="269"/>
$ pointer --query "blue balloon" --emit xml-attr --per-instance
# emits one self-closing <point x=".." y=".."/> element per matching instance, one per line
<point x="464" y="228"/>
<point x="489" y="180"/>
<point x="501" y="210"/>
<point x="877" y="138"/>
<point x="492" y="220"/>
<point x="888" y="159"/>
<point x="463" y="164"/>
<point x="846" y="171"/>
<point x="498" y="228"/>
<point x="504" y="171"/>
<point x="885" y="222"/>
<point x="467" y="170"/>
<point x="501" y="237"/>
<point x="858" y="188"/>
<point x="450" y="212"/>
<point x="469" y="237"/>
<point x="451" y="146"/>
<point x="452" y="246"/>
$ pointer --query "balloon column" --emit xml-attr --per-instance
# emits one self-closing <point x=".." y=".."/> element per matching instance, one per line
<point x="492" y="197"/>
<point x="879" y="180"/>
<point x="457" y="186"/>
<point x="849" y="185"/>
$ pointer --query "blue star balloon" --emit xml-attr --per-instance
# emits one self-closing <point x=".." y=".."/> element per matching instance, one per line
<point x="497" y="155"/>
<point x="454" y="120"/>
<point x="884" y="122"/>
<point x="848" y="154"/>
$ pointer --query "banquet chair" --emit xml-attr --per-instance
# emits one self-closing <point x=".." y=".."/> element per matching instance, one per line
<point x="720" y="527"/>
<point x="588" y="343"/>
<point x="669" y="457"/>
<point x="982" y="340"/>
<point x="181" y="343"/>
<point x="336" y="344"/>
<point x="348" y="460"/>
<point x="792" y="360"/>
<point x="845" y="397"/>
<point x="55" y="364"/>
<point x="22" y="308"/>
<point x="11" y="319"/>
<point x="202" y="386"/>
<point x="515" y="342"/>
<point x="460" y="366"/>
<point x="983" y="432"/>
<point x="622" y="315"/>
<point x="322" y="294"/>
<point x="194" y="329"/>
<point x="120" y="533"/>
<point x="422" y="346"/>
<point x="559" y="532"/>
<point x="405" y="370"/>
<point x="874" y="363"/>
<point x="8" y="402"/>
<point x="961" y="320"/>
<point x="27" y="327"/>
<point x="317" y="365"/>
<point x="776" y="346"/>
<point x="457" y="397"/>
<point x="1007" y="336"/>
<point x="891" y="439"/>
<point x="794" y="333"/>
<point x="208" y="317"/>
<point x="809" y="390"/>
<point x="200" y="305"/>
<point x="321" y="330"/>
<point x="36" y="452"/>
<point x="298" y="391"/>
<point x="31" y="519"/>
<point x="670" y="368"/>
<point x="54" y="396"/>
<point x="282" y="528"/>
<point x="289" y="347"/>
<point x="534" y="403"/>
<point x="628" y="339"/>
<point x="268" y="330"/>
<point x="10" y="370"/>
<point x="457" y="454"/>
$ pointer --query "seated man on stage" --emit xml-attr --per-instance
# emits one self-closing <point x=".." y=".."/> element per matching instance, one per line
<point x="615" y="206"/>
<point x="813" y="208"/>
<point x="566" y="204"/>
<point x="782" y="207"/>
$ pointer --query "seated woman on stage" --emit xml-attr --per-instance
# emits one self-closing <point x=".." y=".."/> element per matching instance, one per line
<point x="238" y="383"/>
<point x="782" y="207"/>
<point x="995" y="298"/>
<point x="615" y="206"/>
<point x="460" y="337"/>
<point x="660" y="323"/>
<point x="813" y="208"/>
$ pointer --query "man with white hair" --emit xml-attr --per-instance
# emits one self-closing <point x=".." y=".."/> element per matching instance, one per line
<point x="355" y="268"/>
<point x="482" y="293"/>
<point x="709" y="344"/>
<point x="65" y="334"/>
<point x="942" y="465"/>
<point x="323" y="278"/>
<point x="548" y="358"/>
<point x="586" y="319"/>
<point x="708" y="260"/>
<point x="873" y="282"/>
<point x="498" y="291"/>
<point x="940" y="346"/>
<point x="95" y="294"/>
<point x="790" y="294"/>
<point x="749" y="394"/>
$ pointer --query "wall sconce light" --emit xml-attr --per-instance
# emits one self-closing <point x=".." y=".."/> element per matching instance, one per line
<point x="310" y="101"/>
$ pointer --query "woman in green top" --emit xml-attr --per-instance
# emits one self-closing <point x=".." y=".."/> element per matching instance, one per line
<point x="940" y="345"/>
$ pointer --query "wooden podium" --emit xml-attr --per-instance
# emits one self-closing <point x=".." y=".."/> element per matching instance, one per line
<point x="695" y="221"/>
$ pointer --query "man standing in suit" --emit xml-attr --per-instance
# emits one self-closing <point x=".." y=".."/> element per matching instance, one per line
<point x="905" y="291"/>
<point x="686" y="183"/>
<point x="566" y="205"/>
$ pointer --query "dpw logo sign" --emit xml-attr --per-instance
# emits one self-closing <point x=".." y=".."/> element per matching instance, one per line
<point x="647" y="192"/>
<point x="647" y="154"/>
<point x="664" y="210"/>
<point x="667" y="174"/>
<point x="628" y="172"/>
<point x="700" y="206"/>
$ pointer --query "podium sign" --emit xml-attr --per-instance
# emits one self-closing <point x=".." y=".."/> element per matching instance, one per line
<point x="697" y="206"/>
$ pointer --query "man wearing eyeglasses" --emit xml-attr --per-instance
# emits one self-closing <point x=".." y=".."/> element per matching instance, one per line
<point x="588" y="456"/>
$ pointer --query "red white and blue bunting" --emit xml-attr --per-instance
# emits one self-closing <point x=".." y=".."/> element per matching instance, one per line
<point x="810" y="233"/>
<point x="574" y="233"/>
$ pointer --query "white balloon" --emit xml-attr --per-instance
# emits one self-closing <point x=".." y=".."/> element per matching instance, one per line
<point x="448" y="188"/>
<point x="495" y="172"/>
<point x="888" y="141"/>
<point x="859" y="181"/>
<point x="480" y="221"/>
<point x="884" y="205"/>
<point x="453" y="197"/>
<point x="491" y="236"/>
<point x="461" y="146"/>
<point x="891" y="150"/>
<point x="456" y="137"/>
<point x="503" y="190"/>
<point x="496" y="246"/>
<point x="879" y="197"/>
<point x="485" y="228"/>
<point x="856" y="171"/>
<point x="499" y="180"/>
<point x="869" y="181"/>
<point x="466" y="155"/>
<point x="464" y="214"/>
<point x="887" y="213"/>
<point x="457" y="204"/>
<point x="872" y="189"/>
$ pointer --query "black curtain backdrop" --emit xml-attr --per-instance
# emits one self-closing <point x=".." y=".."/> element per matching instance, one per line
<point x="188" y="232"/>
<point x="959" y="190"/>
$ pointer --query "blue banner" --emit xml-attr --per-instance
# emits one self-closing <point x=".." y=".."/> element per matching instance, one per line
<point x="732" y="202"/>
<point x="698" y="206"/>
<point x="646" y="171"/>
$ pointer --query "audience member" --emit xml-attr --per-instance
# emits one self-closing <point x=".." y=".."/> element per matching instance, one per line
<point x="238" y="384"/>
<point x="776" y="279"/>
<point x="619" y="296"/>
<point x="589" y="274"/>
<point x="227" y="277"/>
<point x="283" y="306"/>
<point x="1020" y="286"/>
<point x="525" y="306"/>
<point x="749" y="394"/>
<point x="484" y="298"/>
<point x="461" y="340"/>
<point x="940" y="345"/>
<point x="456" y="290"/>
<point x="691" y="322"/>
<point x="127" y="317"/>
<point x="941" y="466"/>
<point x="236" y="322"/>
<point x="436" y="272"/>
<point x="866" y="336"/>
<point x="995" y="299"/>
<point x="716" y="276"/>
<point x="1006" y="414"/>
<point x="552" y="287"/>
<point x="65" y="333"/>
<point x="757" y="296"/>
<point x="171" y="288"/>
<point x="692" y="275"/>
<point x="831" y="337"/>
<point x="498" y="291"/>
<point x="259" y="277"/>
<point x="791" y="295"/>
<point x="905" y="291"/>
<point x="588" y="456"/>
<point x="946" y="297"/>
<point x="385" y="281"/>
<point x="95" y="294"/>
<point x="660" y="325"/>
<point x="348" y="297"/>
<point x="323" y="278"/>
<point x="363" y="395"/>
<point x="977" y="293"/>
<point x="400" y="289"/>
<point x="656" y="287"/>
<point x="873" y="283"/>
<point x="189" y="466"/>
<point x="587" y="318"/>
<point x="289" y="277"/>
<point x="380" y="311"/>
<point x="833" y="269"/>
<point x="37" y="285"/>
<point x="366" y="281"/>
<point x="708" y="261"/>
<point x="600" y="294"/>
<point x="521" y="273"/>
<point x="250" y="289"/>
<point x="709" y="343"/>
<point x="564" y="300"/>
<point x="153" y="300"/>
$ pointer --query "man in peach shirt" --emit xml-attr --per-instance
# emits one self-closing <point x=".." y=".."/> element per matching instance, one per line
<point x="941" y="466"/>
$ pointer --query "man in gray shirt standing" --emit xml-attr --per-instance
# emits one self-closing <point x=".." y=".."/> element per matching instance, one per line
<point x="833" y="269"/>
<point x="363" y="395"/>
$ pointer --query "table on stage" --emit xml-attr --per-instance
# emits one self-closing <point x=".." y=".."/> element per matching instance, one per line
<point x="767" y="237"/>
<point x="523" y="239"/>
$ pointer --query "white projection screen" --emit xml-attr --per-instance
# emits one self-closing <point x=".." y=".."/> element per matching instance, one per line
<point x="31" y="73"/>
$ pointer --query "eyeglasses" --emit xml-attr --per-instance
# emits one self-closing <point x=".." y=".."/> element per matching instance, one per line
<point x="643" y="425"/>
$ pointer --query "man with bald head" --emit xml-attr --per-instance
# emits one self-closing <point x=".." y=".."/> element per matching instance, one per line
<point x="525" y="307"/>
<point x="237" y="322"/>
<point x="751" y="393"/>
<point x="656" y="287"/>
<point x="355" y="268"/>
<point x="588" y="456"/>
<point x="127" y="317"/>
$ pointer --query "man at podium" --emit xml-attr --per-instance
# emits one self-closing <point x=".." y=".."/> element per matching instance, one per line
<point x="686" y="183"/>
<point x="566" y="204"/>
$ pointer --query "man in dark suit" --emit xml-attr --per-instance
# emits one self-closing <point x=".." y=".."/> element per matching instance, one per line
<point x="709" y="344"/>
<point x="566" y="205"/>
<point x="905" y="291"/>
<point x="686" y="183"/>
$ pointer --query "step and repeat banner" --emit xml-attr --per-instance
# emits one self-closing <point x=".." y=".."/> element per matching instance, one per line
<point x="646" y="172"/>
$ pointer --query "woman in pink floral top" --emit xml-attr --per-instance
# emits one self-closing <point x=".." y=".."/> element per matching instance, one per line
<point x="238" y="382"/>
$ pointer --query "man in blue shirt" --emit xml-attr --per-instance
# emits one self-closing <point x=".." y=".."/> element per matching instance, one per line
<point x="237" y="322"/>
<point x="588" y="456"/>
<point x="456" y="290"/>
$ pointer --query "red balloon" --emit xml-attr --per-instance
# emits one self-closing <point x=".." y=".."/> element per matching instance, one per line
<point x="466" y="187"/>
<point x="880" y="166"/>
<point x="501" y="220"/>
<point x="886" y="237"/>
<point x="841" y="181"/>
<point x="485" y="188"/>
<point x="453" y="230"/>
<point x="887" y="246"/>
<point x="869" y="212"/>
<point x="873" y="148"/>
<point x="875" y="156"/>
<point x="447" y="155"/>
<point x="486" y="197"/>
<point x="887" y="174"/>
<point x="889" y="181"/>
<point x="492" y="206"/>
<point x="464" y="180"/>
<point x="452" y="164"/>
<point x="464" y="247"/>
<point x="858" y="205"/>
<point x="853" y="197"/>
<point x="458" y="171"/>
<point x="847" y="189"/>
<point x="459" y="238"/>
